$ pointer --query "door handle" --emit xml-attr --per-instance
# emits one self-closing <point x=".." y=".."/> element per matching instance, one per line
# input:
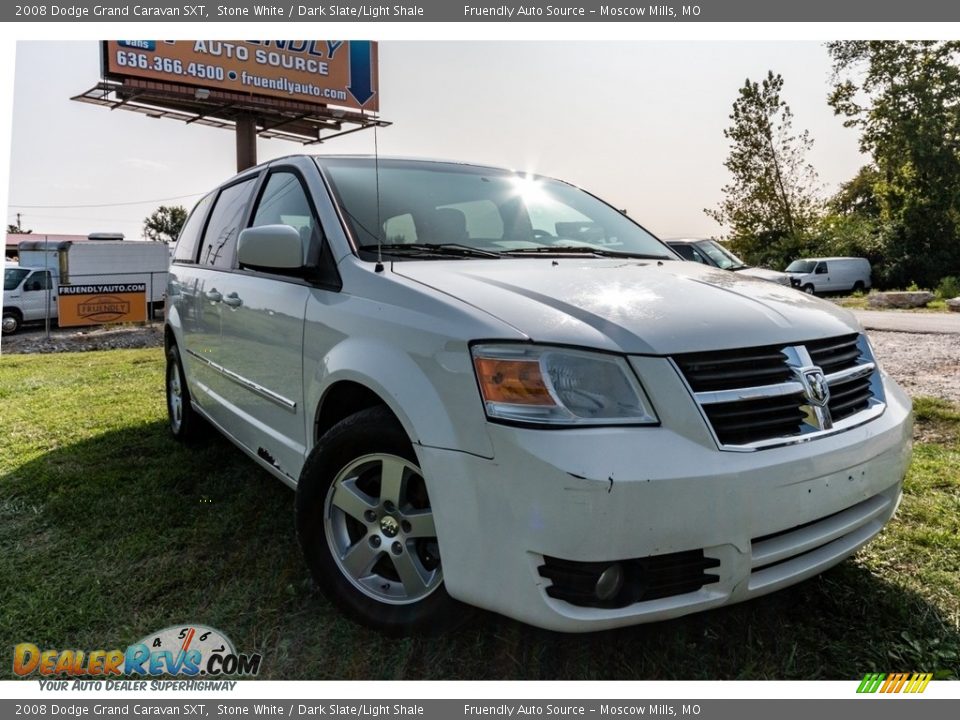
<point x="213" y="296"/>
<point x="232" y="300"/>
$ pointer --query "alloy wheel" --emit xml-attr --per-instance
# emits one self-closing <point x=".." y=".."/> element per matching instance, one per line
<point x="380" y="530"/>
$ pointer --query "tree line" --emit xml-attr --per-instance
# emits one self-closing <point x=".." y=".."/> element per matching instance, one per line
<point x="901" y="211"/>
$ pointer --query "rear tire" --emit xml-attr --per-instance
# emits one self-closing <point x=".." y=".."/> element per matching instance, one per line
<point x="858" y="286"/>
<point x="365" y="526"/>
<point x="12" y="321"/>
<point x="185" y="423"/>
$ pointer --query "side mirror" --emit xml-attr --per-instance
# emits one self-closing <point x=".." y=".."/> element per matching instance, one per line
<point x="271" y="247"/>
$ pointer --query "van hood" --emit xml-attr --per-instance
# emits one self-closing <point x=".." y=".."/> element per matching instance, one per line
<point x="765" y="274"/>
<point x="632" y="306"/>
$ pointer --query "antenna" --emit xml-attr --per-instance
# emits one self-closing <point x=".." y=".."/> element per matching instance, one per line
<point x="376" y="171"/>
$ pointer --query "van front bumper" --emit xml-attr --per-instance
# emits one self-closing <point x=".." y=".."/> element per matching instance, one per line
<point x="763" y="520"/>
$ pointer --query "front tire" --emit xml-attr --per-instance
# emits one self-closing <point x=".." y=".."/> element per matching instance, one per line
<point x="366" y="528"/>
<point x="808" y="289"/>
<point x="11" y="322"/>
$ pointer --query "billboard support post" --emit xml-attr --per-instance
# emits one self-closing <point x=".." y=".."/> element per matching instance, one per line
<point x="246" y="142"/>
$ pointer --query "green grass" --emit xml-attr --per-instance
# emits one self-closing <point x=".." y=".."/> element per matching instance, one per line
<point x="110" y="530"/>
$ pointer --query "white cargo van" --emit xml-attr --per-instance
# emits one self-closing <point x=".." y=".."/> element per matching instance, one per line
<point x="830" y="274"/>
<point x="30" y="289"/>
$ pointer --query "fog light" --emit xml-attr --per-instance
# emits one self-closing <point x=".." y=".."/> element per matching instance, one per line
<point x="609" y="583"/>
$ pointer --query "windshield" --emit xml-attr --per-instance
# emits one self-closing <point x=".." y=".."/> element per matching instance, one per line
<point x="720" y="255"/>
<point x="12" y="277"/>
<point x="801" y="266"/>
<point x="429" y="205"/>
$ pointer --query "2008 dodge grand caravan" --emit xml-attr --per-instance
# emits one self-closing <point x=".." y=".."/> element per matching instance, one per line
<point x="493" y="388"/>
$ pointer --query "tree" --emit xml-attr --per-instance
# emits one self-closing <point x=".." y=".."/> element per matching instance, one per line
<point x="851" y="225"/>
<point x="18" y="228"/>
<point x="165" y="223"/>
<point x="771" y="204"/>
<point x="904" y="97"/>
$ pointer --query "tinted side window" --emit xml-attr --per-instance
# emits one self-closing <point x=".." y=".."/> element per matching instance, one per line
<point x="40" y="280"/>
<point x="284" y="202"/>
<point x="701" y="258"/>
<point x="220" y="239"/>
<point x="186" y="249"/>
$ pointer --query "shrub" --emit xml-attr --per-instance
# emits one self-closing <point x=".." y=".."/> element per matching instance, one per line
<point x="949" y="287"/>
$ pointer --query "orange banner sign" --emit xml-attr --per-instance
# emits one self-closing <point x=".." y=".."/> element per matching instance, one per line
<point x="101" y="304"/>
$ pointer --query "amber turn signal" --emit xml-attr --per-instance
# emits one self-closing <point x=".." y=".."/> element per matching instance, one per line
<point x="517" y="382"/>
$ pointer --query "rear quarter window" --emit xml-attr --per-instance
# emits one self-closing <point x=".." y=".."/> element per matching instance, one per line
<point x="189" y="240"/>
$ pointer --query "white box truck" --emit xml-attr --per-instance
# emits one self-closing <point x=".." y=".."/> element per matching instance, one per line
<point x="30" y="288"/>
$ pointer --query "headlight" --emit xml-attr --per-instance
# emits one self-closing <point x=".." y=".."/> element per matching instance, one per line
<point x="557" y="386"/>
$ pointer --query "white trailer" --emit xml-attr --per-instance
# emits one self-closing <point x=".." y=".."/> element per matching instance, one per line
<point x="46" y="265"/>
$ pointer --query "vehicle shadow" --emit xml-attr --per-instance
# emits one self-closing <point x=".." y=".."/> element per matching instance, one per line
<point x="106" y="540"/>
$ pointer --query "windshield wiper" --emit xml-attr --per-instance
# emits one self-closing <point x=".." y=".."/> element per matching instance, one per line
<point x="582" y="250"/>
<point x="454" y="249"/>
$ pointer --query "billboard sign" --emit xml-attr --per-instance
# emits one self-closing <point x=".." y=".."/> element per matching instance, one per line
<point x="101" y="304"/>
<point x="323" y="72"/>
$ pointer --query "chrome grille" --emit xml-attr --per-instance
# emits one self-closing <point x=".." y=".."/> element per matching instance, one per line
<point x="736" y="423"/>
<point x="835" y="354"/>
<point x="760" y="397"/>
<point x="734" y="369"/>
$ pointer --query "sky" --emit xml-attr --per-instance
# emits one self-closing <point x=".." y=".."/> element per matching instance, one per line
<point x="639" y="124"/>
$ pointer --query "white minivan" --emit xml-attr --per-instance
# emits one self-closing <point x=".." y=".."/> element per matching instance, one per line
<point x="830" y="274"/>
<point x="491" y="388"/>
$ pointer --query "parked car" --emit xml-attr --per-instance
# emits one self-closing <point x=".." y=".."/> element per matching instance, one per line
<point x="830" y="274"/>
<point x="710" y="252"/>
<point x="492" y="388"/>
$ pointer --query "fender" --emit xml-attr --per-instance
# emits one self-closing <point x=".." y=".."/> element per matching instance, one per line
<point x="404" y="385"/>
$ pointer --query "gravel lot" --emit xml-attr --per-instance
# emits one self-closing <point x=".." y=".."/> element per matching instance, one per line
<point x="925" y="364"/>
<point x="32" y="340"/>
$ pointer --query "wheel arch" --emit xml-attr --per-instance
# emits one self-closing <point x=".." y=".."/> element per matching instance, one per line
<point x="168" y="338"/>
<point x="341" y="400"/>
<point x="172" y="328"/>
<point x="361" y="371"/>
